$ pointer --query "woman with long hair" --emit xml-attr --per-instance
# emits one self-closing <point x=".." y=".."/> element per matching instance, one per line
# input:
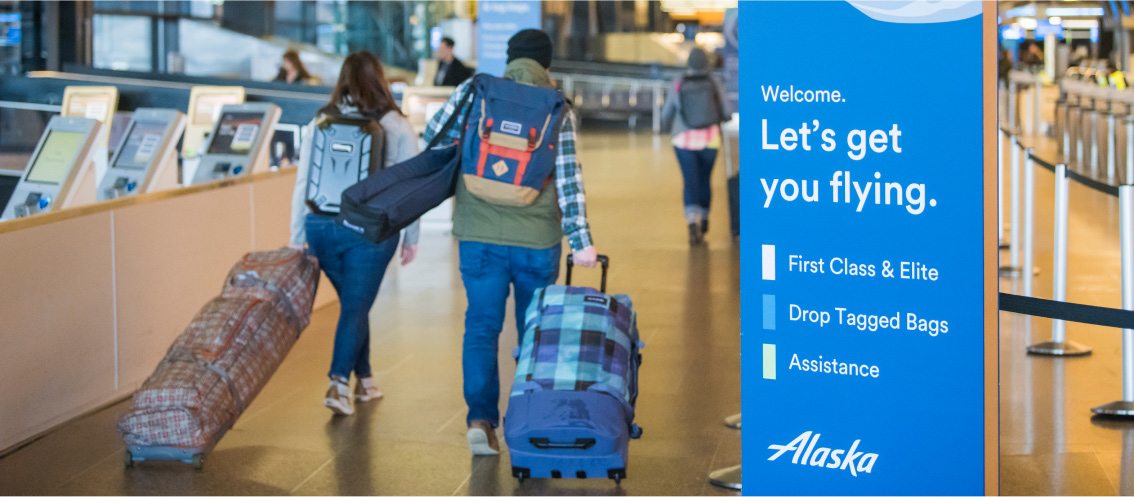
<point x="292" y="70"/>
<point x="354" y="265"/>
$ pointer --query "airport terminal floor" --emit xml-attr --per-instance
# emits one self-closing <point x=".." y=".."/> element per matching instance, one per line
<point x="413" y="440"/>
<point x="1050" y="443"/>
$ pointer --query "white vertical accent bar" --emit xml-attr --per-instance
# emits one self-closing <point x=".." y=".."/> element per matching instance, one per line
<point x="768" y="261"/>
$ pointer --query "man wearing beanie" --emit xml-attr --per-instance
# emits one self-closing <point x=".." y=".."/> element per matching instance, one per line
<point x="511" y="248"/>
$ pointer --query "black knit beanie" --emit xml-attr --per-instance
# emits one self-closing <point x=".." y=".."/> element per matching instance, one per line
<point x="532" y="44"/>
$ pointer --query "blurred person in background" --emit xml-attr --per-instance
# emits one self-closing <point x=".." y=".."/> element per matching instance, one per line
<point x="292" y="70"/>
<point x="696" y="106"/>
<point x="450" y="70"/>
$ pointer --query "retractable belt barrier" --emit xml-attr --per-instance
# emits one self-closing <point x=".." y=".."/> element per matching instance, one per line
<point x="1066" y="311"/>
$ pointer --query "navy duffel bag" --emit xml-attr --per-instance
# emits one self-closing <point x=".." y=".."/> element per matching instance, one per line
<point x="381" y="205"/>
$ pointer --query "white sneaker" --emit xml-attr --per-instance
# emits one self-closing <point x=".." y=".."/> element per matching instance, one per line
<point x="367" y="390"/>
<point x="338" y="402"/>
<point x="482" y="439"/>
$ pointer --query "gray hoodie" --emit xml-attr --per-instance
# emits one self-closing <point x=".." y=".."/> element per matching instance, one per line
<point x="401" y="145"/>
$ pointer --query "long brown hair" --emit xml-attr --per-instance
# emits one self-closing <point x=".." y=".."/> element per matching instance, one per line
<point x="301" y="73"/>
<point x="362" y="84"/>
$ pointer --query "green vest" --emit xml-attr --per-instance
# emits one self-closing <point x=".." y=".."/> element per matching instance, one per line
<point x="535" y="226"/>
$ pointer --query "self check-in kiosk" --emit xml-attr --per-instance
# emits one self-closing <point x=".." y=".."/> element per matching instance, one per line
<point x="205" y="104"/>
<point x="239" y="142"/>
<point x="94" y="102"/>
<point x="145" y="159"/>
<point x="60" y="173"/>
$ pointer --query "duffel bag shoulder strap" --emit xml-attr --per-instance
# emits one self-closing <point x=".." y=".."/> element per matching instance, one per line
<point x="469" y="94"/>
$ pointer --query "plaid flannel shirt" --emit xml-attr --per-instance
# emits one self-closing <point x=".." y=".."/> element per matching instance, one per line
<point x="568" y="172"/>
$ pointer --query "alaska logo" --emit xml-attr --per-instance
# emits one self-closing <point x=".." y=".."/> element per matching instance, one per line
<point x="808" y="455"/>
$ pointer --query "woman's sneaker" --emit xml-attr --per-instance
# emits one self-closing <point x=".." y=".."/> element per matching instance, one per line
<point x="338" y="399"/>
<point x="367" y="390"/>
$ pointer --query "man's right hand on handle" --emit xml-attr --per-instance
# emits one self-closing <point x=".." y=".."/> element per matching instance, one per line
<point x="586" y="257"/>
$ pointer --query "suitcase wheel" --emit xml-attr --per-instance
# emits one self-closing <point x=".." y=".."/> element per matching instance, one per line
<point x="128" y="459"/>
<point x="521" y="474"/>
<point x="616" y="474"/>
<point x="198" y="461"/>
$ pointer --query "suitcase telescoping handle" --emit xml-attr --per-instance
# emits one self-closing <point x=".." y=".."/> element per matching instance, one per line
<point x="579" y="443"/>
<point x="602" y="259"/>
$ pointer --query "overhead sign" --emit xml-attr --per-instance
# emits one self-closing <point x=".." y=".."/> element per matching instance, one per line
<point x="496" y="22"/>
<point x="869" y="280"/>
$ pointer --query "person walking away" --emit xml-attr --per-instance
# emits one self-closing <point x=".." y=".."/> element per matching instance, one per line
<point x="511" y="247"/>
<point x="696" y="105"/>
<point x="450" y="70"/>
<point x="354" y="265"/>
<point x="292" y="71"/>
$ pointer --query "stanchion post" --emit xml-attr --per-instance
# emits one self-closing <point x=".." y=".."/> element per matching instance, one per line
<point x="1037" y="88"/>
<point x="1094" y="140"/>
<point x="1059" y="346"/>
<point x="1029" y="205"/>
<point x="1000" y="187"/>
<point x="1014" y="199"/>
<point x="1011" y="105"/>
<point x="1067" y="130"/>
<point x="1079" y="135"/>
<point x="1110" y="152"/>
<point x="1125" y="407"/>
<point x="1129" y="148"/>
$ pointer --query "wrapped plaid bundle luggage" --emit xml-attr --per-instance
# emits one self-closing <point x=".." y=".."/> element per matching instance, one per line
<point x="287" y="274"/>
<point x="571" y="411"/>
<point x="217" y="366"/>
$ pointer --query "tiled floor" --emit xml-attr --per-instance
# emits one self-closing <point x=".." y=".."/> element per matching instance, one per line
<point x="412" y="441"/>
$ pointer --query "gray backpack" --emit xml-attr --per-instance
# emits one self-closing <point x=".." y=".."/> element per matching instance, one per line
<point x="344" y="150"/>
<point x="700" y="103"/>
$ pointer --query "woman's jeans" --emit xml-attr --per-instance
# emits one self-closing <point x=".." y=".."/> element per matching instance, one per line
<point x="697" y="170"/>
<point x="487" y="271"/>
<point x="355" y="267"/>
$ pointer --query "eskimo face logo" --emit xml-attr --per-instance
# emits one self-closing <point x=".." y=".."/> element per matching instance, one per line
<point x="808" y="454"/>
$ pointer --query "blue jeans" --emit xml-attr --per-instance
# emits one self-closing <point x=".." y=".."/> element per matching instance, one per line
<point x="697" y="169"/>
<point x="355" y="267"/>
<point x="488" y="270"/>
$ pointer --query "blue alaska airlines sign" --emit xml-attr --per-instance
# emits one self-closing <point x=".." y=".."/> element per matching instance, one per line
<point x="863" y="287"/>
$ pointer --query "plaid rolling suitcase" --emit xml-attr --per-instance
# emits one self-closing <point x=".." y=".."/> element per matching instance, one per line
<point x="571" y="410"/>
<point x="214" y="369"/>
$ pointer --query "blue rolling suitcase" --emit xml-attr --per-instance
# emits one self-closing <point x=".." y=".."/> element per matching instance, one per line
<point x="571" y="410"/>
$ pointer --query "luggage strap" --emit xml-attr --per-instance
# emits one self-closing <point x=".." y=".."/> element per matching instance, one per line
<point x="180" y="354"/>
<point x="256" y="280"/>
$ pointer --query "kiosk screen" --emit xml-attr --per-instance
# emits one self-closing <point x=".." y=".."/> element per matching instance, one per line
<point x="141" y="144"/>
<point x="56" y="156"/>
<point x="7" y="186"/>
<point x="236" y="132"/>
